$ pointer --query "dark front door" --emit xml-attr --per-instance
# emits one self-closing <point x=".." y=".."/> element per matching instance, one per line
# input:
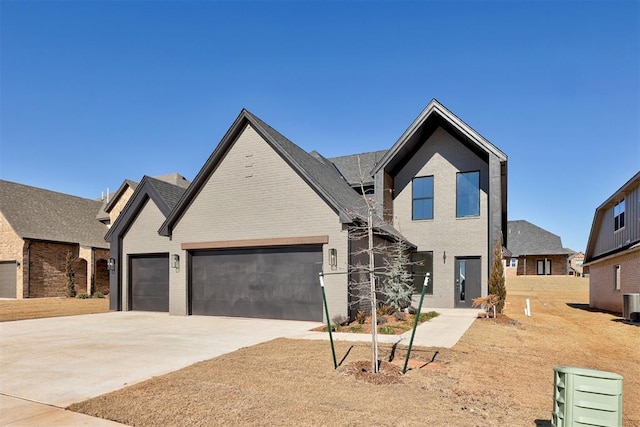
<point x="273" y="283"/>
<point x="468" y="280"/>
<point x="149" y="282"/>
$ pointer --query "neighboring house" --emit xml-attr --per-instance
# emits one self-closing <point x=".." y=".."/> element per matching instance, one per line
<point x="535" y="251"/>
<point x="575" y="264"/>
<point x="38" y="228"/>
<point x="613" y="249"/>
<point x="263" y="217"/>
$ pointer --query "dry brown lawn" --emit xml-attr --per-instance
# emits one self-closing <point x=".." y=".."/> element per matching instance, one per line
<point x="35" y="308"/>
<point x="499" y="374"/>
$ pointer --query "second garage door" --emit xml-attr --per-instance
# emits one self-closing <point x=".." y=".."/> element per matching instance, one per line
<point x="8" y="279"/>
<point x="271" y="283"/>
<point x="149" y="282"/>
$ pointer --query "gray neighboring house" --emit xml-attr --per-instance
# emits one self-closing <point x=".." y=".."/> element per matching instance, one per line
<point x="613" y="249"/>
<point x="535" y="251"/>
<point x="263" y="217"/>
<point x="38" y="228"/>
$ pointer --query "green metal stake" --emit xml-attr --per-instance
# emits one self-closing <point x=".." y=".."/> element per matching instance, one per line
<point x="415" y="323"/>
<point x="326" y="312"/>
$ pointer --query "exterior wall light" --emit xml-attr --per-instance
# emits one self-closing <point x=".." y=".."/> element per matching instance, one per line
<point x="333" y="258"/>
<point x="175" y="261"/>
<point x="111" y="264"/>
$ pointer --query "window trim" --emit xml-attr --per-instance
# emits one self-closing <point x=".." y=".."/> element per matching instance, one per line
<point x="458" y="194"/>
<point x="616" y="277"/>
<point x="618" y="219"/>
<point x="414" y="198"/>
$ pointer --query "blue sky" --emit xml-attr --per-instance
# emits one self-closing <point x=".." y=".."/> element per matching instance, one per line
<point x="93" y="92"/>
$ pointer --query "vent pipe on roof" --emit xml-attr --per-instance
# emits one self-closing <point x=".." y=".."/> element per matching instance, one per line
<point x="107" y="194"/>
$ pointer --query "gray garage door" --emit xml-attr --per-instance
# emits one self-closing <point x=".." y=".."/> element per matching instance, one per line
<point x="8" y="278"/>
<point x="271" y="283"/>
<point x="149" y="282"/>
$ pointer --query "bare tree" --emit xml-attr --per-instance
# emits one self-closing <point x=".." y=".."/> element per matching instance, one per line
<point x="380" y="263"/>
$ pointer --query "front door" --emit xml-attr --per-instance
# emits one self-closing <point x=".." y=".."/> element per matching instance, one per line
<point x="468" y="281"/>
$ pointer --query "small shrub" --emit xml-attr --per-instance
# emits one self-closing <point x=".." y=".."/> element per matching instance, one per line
<point x="385" y="310"/>
<point x="387" y="330"/>
<point x="425" y="317"/>
<point x="97" y="295"/>
<point x="339" y="319"/>
<point x="400" y="316"/>
<point x="82" y="295"/>
<point x="381" y="320"/>
<point x="411" y="310"/>
<point x="355" y="328"/>
<point x="334" y="328"/>
<point x="361" y="317"/>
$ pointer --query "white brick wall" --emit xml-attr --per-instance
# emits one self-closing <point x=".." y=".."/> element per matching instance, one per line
<point x="143" y="238"/>
<point x="443" y="157"/>
<point x="254" y="194"/>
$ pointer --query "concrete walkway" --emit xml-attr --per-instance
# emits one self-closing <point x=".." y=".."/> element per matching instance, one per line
<point x="48" y="364"/>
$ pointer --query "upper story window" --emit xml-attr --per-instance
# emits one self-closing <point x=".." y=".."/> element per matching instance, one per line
<point x="422" y="198"/>
<point x="618" y="215"/>
<point x="468" y="194"/>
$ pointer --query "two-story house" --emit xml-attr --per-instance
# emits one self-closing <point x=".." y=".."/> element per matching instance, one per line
<point x="613" y="249"/>
<point x="263" y="217"/>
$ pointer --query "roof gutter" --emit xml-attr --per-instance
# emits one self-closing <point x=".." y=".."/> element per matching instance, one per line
<point x="631" y="249"/>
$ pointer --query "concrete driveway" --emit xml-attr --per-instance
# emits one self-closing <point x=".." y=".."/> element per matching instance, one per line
<point x="59" y="361"/>
<point x="48" y="364"/>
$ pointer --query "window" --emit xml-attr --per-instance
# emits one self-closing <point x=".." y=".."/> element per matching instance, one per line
<point x="618" y="215"/>
<point x="423" y="198"/>
<point x="543" y="267"/>
<point x="616" y="277"/>
<point x="422" y="264"/>
<point x="468" y="194"/>
<point x="514" y="262"/>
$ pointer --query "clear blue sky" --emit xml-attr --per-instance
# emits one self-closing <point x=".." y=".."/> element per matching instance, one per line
<point x="93" y="92"/>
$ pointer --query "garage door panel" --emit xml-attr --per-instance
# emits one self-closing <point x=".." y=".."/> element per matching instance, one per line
<point x="149" y="276"/>
<point x="278" y="283"/>
<point x="8" y="279"/>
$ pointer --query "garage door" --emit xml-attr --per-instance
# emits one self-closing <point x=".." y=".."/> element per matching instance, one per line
<point x="271" y="283"/>
<point x="8" y="278"/>
<point x="149" y="282"/>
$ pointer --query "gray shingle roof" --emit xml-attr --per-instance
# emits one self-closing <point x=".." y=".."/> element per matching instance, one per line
<point x="319" y="174"/>
<point x="36" y="213"/>
<point x="528" y="239"/>
<point x="168" y="192"/>
<point x="348" y="166"/>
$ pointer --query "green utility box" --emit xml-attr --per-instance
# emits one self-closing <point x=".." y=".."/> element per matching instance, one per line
<point x="586" y="397"/>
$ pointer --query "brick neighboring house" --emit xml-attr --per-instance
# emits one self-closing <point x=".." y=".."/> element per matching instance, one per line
<point x="263" y="217"/>
<point x="576" y="262"/>
<point x="535" y="251"/>
<point x="613" y="248"/>
<point x="38" y="228"/>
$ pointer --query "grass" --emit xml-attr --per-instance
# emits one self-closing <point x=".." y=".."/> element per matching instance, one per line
<point x="500" y="373"/>
<point x="35" y="308"/>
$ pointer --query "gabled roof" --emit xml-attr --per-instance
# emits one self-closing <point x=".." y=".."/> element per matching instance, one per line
<point x="113" y="199"/>
<point x="598" y="217"/>
<point x="528" y="239"/>
<point x="39" y="214"/>
<point x="433" y="116"/>
<point x="162" y="193"/>
<point x="349" y="169"/>
<point x="321" y="177"/>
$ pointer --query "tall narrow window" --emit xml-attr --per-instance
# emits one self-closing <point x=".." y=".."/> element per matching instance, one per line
<point x="422" y="263"/>
<point x="618" y="215"/>
<point x="616" y="277"/>
<point x="423" y="198"/>
<point x="468" y="194"/>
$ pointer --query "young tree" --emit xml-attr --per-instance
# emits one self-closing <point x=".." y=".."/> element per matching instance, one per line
<point x="496" y="278"/>
<point x="70" y="274"/>
<point x="397" y="282"/>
